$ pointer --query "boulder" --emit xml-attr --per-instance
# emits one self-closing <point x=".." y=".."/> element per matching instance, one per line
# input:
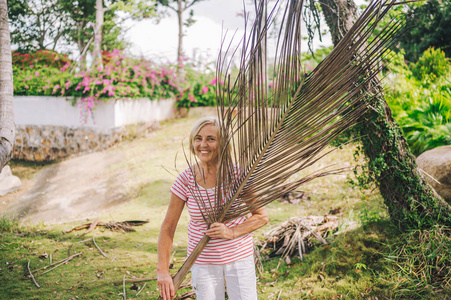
<point x="436" y="163"/>
<point x="8" y="182"/>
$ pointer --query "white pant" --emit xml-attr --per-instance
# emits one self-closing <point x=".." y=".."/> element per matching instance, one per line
<point x="208" y="280"/>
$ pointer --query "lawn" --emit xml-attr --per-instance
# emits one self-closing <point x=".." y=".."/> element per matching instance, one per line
<point x="369" y="259"/>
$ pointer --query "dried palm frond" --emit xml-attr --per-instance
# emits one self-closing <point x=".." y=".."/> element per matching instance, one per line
<point x="275" y="135"/>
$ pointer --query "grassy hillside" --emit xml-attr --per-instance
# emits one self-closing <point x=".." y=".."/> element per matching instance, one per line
<point x="368" y="260"/>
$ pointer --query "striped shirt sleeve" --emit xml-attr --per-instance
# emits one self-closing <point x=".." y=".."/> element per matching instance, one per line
<point x="180" y="186"/>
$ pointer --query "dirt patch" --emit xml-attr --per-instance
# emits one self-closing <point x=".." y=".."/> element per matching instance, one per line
<point x="77" y="188"/>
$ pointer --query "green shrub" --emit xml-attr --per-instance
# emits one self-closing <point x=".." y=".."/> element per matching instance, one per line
<point x="431" y="65"/>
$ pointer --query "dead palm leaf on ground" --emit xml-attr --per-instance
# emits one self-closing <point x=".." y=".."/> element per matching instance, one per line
<point x="275" y="135"/>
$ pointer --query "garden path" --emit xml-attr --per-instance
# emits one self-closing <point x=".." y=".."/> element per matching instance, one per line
<point x="52" y="198"/>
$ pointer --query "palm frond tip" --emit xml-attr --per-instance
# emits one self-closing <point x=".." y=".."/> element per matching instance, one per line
<point x="272" y="140"/>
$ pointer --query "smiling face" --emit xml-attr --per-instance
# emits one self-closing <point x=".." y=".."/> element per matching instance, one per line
<point x="206" y="144"/>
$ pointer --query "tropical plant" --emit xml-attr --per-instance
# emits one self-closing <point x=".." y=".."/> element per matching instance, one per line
<point x="421" y="103"/>
<point x="272" y="141"/>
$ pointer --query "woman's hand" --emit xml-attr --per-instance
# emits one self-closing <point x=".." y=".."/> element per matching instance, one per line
<point x="165" y="285"/>
<point x="220" y="231"/>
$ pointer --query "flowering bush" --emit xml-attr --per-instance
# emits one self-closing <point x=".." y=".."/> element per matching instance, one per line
<point x="40" y="72"/>
<point x="43" y="58"/>
<point x="47" y="73"/>
<point x="198" y="94"/>
<point x="123" y="78"/>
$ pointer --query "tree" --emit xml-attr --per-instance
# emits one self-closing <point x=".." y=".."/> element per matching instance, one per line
<point x="81" y="15"/>
<point x="37" y="24"/>
<point x="179" y="7"/>
<point x="410" y="199"/>
<point x="7" y="127"/>
<point x="133" y="9"/>
<point x="430" y="27"/>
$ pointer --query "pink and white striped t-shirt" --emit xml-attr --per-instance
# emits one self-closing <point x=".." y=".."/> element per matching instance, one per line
<point x="217" y="251"/>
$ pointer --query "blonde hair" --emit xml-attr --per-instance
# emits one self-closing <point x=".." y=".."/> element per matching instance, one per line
<point x="199" y="125"/>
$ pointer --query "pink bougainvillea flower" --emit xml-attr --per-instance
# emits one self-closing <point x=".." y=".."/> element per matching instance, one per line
<point x="36" y="74"/>
<point x="31" y="66"/>
<point x="213" y="82"/>
<point x="191" y="98"/>
<point x="204" y="90"/>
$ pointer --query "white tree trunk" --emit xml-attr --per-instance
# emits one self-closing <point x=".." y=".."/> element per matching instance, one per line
<point x="180" y="11"/>
<point x="7" y="127"/>
<point x="98" y="34"/>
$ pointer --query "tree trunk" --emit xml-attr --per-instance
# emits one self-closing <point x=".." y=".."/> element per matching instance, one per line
<point x="180" y="10"/>
<point x="98" y="34"/>
<point x="7" y="127"/>
<point x="411" y="201"/>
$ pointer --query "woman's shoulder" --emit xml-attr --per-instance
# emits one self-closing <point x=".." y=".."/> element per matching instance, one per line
<point x="188" y="173"/>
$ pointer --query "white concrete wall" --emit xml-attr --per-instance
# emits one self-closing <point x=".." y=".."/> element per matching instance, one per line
<point x="58" y="111"/>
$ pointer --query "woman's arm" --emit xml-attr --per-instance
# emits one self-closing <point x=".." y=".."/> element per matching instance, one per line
<point x="258" y="219"/>
<point x="165" y="240"/>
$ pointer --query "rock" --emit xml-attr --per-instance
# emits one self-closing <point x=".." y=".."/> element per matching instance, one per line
<point x="8" y="182"/>
<point x="437" y="164"/>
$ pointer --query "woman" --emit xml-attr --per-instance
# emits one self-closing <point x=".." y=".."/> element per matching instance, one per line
<point x="229" y="254"/>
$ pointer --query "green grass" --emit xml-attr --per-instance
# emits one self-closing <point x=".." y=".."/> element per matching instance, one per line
<point x="369" y="260"/>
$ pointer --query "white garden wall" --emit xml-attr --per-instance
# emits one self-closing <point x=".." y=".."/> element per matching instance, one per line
<point x="50" y="128"/>
<point x="58" y="111"/>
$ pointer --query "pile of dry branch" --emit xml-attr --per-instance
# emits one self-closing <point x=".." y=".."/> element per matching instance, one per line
<point x="298" y="236"/>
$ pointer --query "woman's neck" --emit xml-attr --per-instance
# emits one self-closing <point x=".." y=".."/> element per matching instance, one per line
<point x="209" y="168"/>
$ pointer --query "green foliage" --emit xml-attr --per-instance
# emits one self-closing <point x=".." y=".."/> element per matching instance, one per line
<point x="421" y="100"/>
<point x="34" y="24"/>
<point x="431" y="65"/>
<point x="429" y="26"/>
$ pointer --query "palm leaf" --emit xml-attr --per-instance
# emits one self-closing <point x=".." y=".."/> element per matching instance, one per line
<point x="275" y="136"/>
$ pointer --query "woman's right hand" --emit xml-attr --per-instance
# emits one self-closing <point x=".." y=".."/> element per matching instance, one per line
<point x="165" y="285"/>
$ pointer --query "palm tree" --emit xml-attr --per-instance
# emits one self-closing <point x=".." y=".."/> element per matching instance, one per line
<point x="273" y="136"/>
<point x="7" y="127"/>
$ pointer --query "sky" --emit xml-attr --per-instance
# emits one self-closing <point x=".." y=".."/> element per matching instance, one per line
<point x="202" y="40"/>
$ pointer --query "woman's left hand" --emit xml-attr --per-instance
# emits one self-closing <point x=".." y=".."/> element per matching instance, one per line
<point x="220" y="231"/>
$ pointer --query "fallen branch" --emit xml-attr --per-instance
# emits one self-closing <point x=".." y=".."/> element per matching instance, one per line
<point x="98" y="247"/>
<point x="136" y="280"/>
<point x="123" y="285"/>
<point x="125" y="226"/>
<point x="31" y="275"/>
<point x="141" y="289"/>
<point x="91" y="227"/>
<point x="58" y="263"/>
